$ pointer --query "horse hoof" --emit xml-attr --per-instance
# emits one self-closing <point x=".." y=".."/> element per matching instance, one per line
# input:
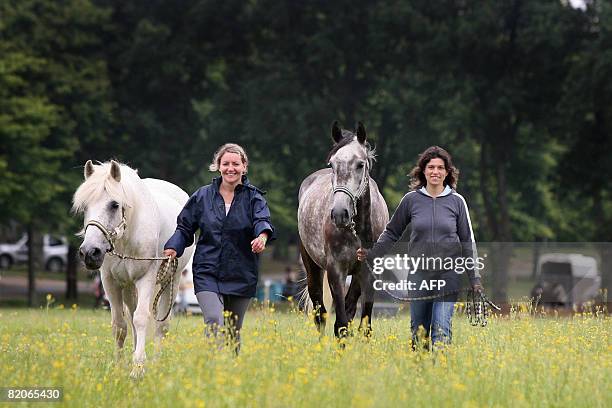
<point x="137" y="372"/>
<point x="366" y="332"/>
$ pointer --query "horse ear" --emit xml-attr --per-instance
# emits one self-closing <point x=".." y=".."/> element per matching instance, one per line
<point x="115" y="171"/>
<point x="89" y="169"/>
<point x="361" y="133"/>
<point x="336" y="133"/>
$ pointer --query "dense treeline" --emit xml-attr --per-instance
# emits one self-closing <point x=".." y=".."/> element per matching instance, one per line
<point x="517" y="90"/>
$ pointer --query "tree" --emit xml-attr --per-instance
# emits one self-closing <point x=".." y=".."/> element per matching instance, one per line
<point x="54" y="95"/>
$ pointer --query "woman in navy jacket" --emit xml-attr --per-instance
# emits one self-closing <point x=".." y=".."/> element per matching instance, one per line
<point x="234" y="223"/>
<point x="440" y="230"/>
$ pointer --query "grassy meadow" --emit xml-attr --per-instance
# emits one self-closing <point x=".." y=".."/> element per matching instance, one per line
<point x="517" y="361"/>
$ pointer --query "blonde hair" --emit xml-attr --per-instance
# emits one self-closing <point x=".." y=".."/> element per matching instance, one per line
<point x="228" y="148"/>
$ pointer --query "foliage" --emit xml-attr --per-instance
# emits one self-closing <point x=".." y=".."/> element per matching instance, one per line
<point x="517" y="91"/>
<point x="54" y="104"/>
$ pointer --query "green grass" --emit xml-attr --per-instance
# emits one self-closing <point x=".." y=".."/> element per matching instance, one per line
<point x="516" y="361"/>
<point x="85" y="300"/>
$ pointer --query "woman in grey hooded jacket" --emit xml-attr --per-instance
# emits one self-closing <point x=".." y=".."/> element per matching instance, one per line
<point x="441" y="235"/>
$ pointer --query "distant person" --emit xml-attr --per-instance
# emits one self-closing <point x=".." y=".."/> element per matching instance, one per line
<point x="97" y="289"/>
<point x="438" y="215"/>
<point x="184" y="287"/>
<point x="234" y="222"/>
<point x="549" y="294"/>
<point x="290" y="286"/>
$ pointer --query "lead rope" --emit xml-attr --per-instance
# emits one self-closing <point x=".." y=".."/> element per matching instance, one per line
<point x="165" y="278"/>
<point x="477" y="308"/>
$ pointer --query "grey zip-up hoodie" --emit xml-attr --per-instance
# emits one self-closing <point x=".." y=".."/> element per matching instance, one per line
<point x="440" y="227"/>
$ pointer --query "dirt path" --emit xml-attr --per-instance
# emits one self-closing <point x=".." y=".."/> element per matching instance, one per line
<point x="17" y="286"/>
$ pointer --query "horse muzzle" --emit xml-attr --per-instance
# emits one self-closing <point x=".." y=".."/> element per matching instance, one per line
<point x="92" y="257"/>
<point x="340" y="217"/>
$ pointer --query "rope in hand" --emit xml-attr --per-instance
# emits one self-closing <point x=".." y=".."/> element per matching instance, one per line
<point x="477" y="308"/>
<point x="165" y="279"/>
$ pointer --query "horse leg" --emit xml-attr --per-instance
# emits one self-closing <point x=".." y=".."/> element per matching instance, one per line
<point x="367" y="302"/>
<point x="144" y="290"/>
<point x="334" y="277"/>
<point x="314" y="275"/>
<point x="129" y="298"/>
<point x="352" y="296"/>
<point x="115" y="298"/>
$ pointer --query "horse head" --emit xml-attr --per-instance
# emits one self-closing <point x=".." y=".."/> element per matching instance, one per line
<point x="103" y="200"/>
<point x="350" y="160"/>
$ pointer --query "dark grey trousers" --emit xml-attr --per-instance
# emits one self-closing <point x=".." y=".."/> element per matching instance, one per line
<point x="214" y="307"/>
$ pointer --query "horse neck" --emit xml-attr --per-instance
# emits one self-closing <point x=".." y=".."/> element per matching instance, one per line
<point x="363" y="218"/>
<point x="143" y="211"/>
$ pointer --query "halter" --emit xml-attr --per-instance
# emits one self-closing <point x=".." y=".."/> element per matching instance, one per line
<point x="111" y="235"/>
<point x="363" y="187"/>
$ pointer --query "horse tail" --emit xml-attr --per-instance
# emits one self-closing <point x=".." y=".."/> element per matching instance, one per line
<point x="303" y="297"/>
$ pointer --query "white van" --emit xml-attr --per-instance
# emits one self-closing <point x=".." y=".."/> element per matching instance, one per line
<point x="571" y="279"/>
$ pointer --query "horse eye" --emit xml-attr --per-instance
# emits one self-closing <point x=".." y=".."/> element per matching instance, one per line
<point x="360" y="165"/>
<point x="114" y="205"/>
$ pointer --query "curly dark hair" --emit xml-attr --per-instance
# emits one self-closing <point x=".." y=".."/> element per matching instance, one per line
<point x="417" y="174"/>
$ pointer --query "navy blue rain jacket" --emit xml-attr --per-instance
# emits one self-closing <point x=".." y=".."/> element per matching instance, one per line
<point x="223" y="261"/>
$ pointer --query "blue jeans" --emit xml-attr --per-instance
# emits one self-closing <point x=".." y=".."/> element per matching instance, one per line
<point x="435" y="317"/>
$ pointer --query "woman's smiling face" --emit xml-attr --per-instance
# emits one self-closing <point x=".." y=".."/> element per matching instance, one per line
<point x="435" y="172"/>
<point x="231" y="167"/>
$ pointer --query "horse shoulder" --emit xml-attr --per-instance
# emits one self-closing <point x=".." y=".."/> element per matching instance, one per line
<point x="308" y="181"/>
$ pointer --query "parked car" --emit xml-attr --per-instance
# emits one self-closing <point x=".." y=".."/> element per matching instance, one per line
<point x="55" y="253"/>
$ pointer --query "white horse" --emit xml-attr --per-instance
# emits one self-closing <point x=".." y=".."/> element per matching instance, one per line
<point x="134" y="217"/>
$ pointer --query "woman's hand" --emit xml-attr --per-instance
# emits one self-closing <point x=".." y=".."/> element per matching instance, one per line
<point x="362" y="253"/>
<point x="170" y="252"/>
<point x="477" y="287"/>
<point x="259" y="243"/>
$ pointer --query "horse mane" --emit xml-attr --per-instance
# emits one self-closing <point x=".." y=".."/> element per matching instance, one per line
<point x="127" y="192"/>
<point x="347" y="138"/>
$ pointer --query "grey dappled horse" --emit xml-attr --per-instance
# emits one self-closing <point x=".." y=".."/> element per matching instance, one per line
<point x="340" y="210"/>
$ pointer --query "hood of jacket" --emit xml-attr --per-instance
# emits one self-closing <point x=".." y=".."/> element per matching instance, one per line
<point x="447" y="191"/>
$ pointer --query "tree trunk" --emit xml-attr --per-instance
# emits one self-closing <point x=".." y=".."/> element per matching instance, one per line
<point x="605" y="250"/>
<point x="486" y="192"/>
<point x="34" y="261"/>
<point x="71" y="273"/>
<point x="536" y="256"/>
<point x="504" y="238"/>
